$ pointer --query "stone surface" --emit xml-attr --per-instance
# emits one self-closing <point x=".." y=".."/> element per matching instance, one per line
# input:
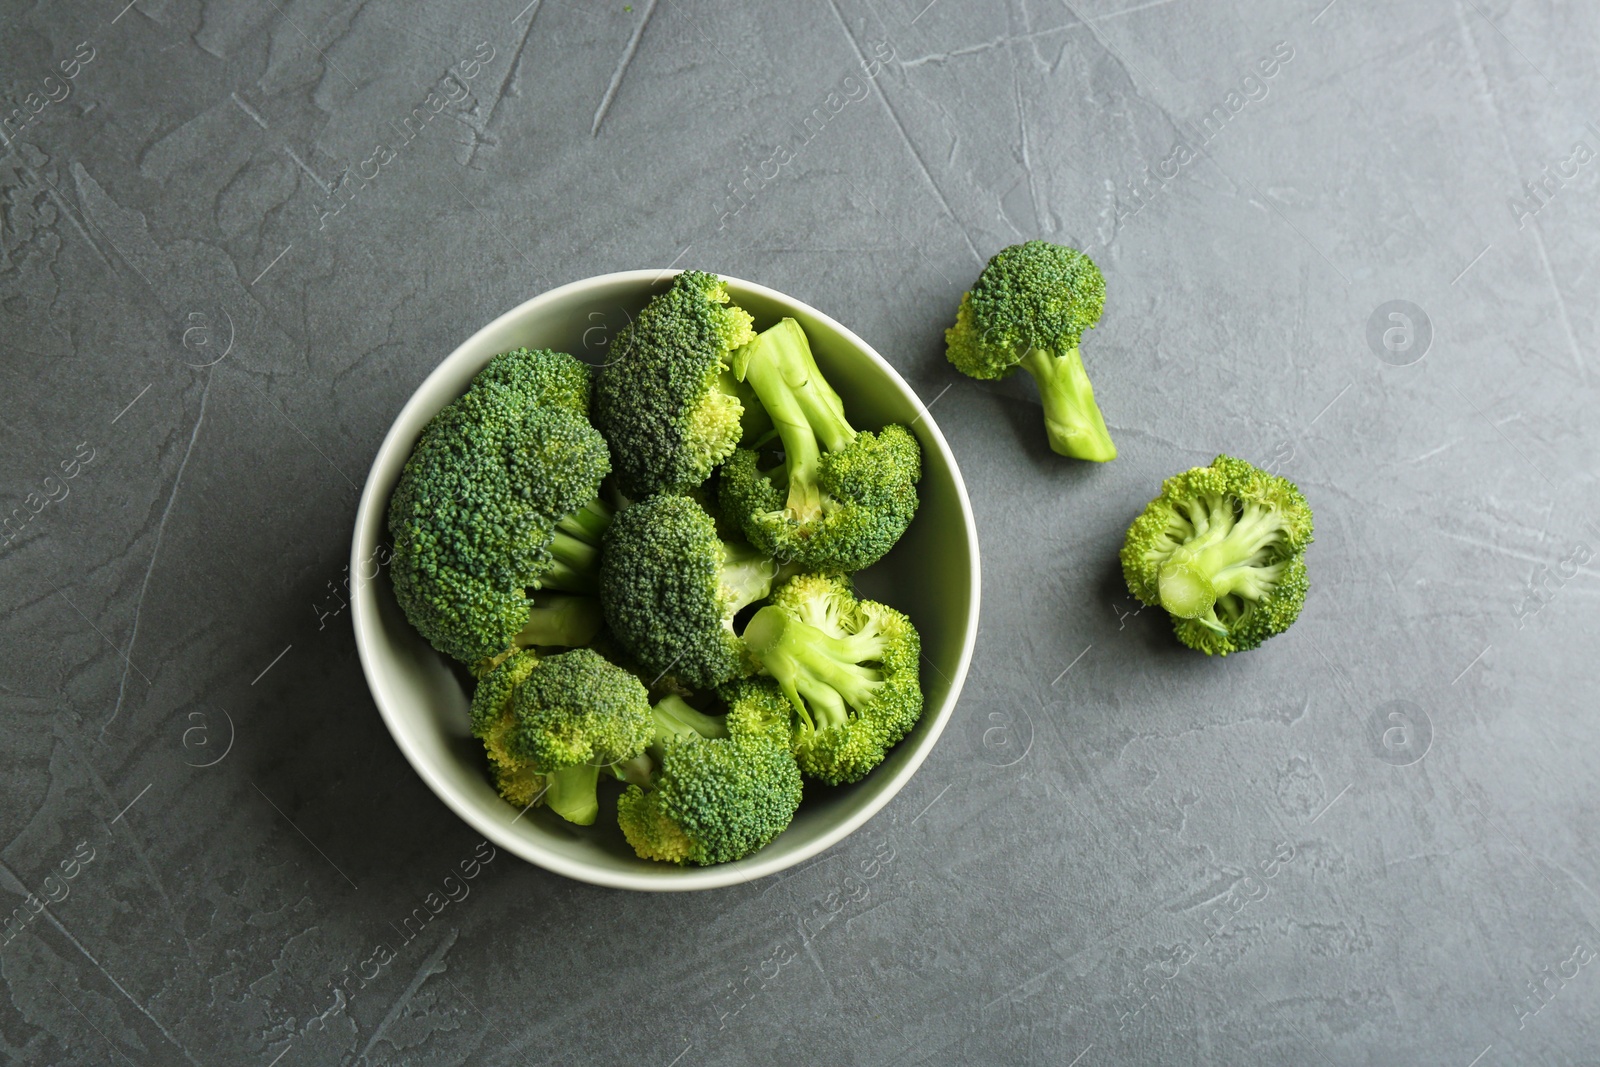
<point x="230" y="248"/>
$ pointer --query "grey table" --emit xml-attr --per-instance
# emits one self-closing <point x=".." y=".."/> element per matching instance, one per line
<point x="1353" y="243"/>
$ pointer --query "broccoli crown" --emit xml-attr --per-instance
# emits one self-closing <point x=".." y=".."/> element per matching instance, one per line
<point x="670" y="588"/>
<point x="1222" y="549"/>
<point x="553" y="461"/>
<point x="544" y="377"/>
<point x="659" y="403"/>
<point x="758" y="707"/>
<point x="849" y="668"/>
<point x="839" y="499"/>
<point x="491" y="701"/>
<point x="494" y="723"/>
<point x="1035" y="295"/>
<point x="868" y="499"/>
<point x="475" y="513"/>
<point x="577" y="708"/>
<point x="712" y="798"/>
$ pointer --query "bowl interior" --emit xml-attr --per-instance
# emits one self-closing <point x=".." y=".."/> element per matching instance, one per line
<point x="932" y="575"/>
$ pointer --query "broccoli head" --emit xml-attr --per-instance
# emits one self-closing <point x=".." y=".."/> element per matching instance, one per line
<point x="494" y="723"/>
<point x="556" y="722"/>
<point x="671" y="587"/>
<point x="848" y="667"/>
<point x="839" y="499"/>
<point x="497" y="500"/>
<point x="1222" y="549"/>
<point x="544" y="377"/>
<point x="757" y="705"/>
<point x="1029" y="307"/>
<point x="718" y="790"/>
<point x="666" y="403"/>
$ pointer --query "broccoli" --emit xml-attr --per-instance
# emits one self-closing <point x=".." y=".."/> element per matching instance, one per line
<point x="840" y="499"/>
<point x="666" y="403"/>
<point x="755" y="425"/>
<point x="757" y="705"/>
<point x="1030" y="306"/>
<point x="544" y="377"/>
<point x="1222" y="549"/>
<point x="849" y="668"/>
<point x="554" y="723"/>
<point x="494" y="724"/>
<point x="717" y="790"/>
<point x="499" y="498"/>
<point x="670" y="588"/>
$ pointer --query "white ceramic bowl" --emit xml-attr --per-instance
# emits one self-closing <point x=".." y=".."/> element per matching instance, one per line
<point x="932" y="575"/>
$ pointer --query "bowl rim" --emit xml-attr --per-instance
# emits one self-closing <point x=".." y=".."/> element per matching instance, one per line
<point x="369" y="522"/>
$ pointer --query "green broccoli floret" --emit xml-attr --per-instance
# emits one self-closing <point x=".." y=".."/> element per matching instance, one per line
<point x="545" y="377"/>
<point x="840" y="499"/>
<point x="1030" y="307"/>
<point x="666" y="403"/>
<point x="717" y="791"/>
<point x="493" y="723"/>
<point x="1222" y="549"/>
<point x="577" y="713"/>
<point x="671" y="587"/>
<point x="758" y="705"/>
<point x="555" y="723"/>
<point x="498" y="499"/>
<point x="849" y="668"/>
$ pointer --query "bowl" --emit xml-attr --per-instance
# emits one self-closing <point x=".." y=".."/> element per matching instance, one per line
<point x="932" y="575"/>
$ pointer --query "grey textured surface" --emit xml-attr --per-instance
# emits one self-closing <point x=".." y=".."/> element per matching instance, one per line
<point x="225" y="262"/>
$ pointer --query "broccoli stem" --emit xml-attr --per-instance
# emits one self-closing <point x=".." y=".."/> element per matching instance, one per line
<point x="1185" y="587"/>
<point x="588" y="523"/>
<point x="572" y="570"/>
<point x="556" y="619"/>
<point x="803" y="407"/>
<point x="575" y="550"/>
<point x="801" y="453"/>
<point x="639" y="770"/>
<point x="572" y="794"/>
<point x="553" y="619"/>
<point x="1071" y="417"/>
<point x="822" y="675"/>
<point x="1222" y="559"/>
<point x="822" y="405"/>
<point x="1232" y="559"/>
<point x="575" y="565"/>
<point x="754" y="422"/>
<point x="747" y="574"/>
<point x="676" y="722"/>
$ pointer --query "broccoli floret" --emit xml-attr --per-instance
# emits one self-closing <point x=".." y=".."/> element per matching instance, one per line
<point x="576" y="713"/>
<point x="849" y="668"/>
<point x="1222" y="549"/>
<point x="665" y="403"/>
<point x="555" y="723"/>
<point x="493" y="723"/>
<point x="546" y="378"/>
<point x="498" y="499"/>
<point x="716" y="793"/>
<point x="671" y="587"/>
<point x="1030" y="307"/>
<point x="840" y="499"/>
<point x="758" y="705"/>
